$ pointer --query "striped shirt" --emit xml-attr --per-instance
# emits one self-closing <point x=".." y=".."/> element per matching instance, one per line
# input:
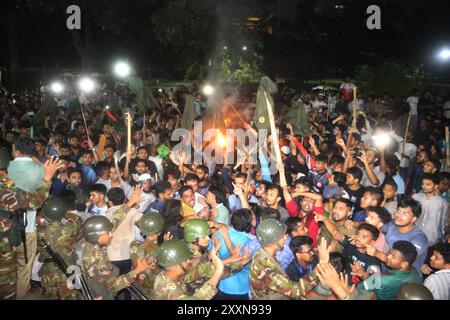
<point x="439" y="284"/>
<point x="432" y="219"/>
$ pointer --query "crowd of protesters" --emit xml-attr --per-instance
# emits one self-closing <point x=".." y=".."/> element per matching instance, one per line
<point x="353" y="210"/>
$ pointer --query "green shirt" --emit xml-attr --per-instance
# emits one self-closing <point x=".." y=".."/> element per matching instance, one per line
<point x="388" y="285"/>
<point x="223" y="214"/>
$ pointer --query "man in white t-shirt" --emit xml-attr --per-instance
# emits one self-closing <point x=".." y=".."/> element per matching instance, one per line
<point x="97" y="200"/>
<point x="406" y="152"/>
<point x="413" y="102"/>
<point x="119" y="249"/>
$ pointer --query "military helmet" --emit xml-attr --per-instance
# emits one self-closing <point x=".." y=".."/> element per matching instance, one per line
<point x="196" y="228"/>
<point x="414" y="291"/>
<point x="151" y="223"/>
<point x="54" y="209"/>
<point x="95" y="227"/>
<point x="5" y="158"/>
<point x="172" y="253"/>
<point x="269" y="231"/>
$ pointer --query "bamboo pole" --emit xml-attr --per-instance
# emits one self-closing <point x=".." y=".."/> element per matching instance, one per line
<point x="447" y="148"/>
<point x="354" y="107"/>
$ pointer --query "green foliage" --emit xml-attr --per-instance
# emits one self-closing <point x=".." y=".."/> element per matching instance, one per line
<point x="392" y="78"/>
<point x="244" y="68"/>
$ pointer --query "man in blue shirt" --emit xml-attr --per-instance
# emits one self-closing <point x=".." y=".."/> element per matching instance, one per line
<point x="403" y="228"/>
<point x="295" y="227"/>
<point x="305" y="259"/>
<point x="89" y="175"/>
<point x="237" y="286"/>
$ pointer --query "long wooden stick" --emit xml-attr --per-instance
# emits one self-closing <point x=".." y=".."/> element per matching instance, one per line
<point x="447" y="148"/>
<point x="275" y="142"/>
<point x="354" y="107"/>
<point x="406" y="132"/>
<point x="239" y="116"/>
<point x="129" y="132"/>
<point x="101" y="145"/>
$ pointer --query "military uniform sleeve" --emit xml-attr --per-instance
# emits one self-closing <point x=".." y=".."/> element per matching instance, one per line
<point x="205" y="292"/>
<point x="118" y="216"/>
<point x="123" y="281"/>
<point x="201" y="270"/>
<point x="231" y="268"/>
<point x="37" y="199"/>
<point x="99" y="269"/>
<point x="269" y="279"/>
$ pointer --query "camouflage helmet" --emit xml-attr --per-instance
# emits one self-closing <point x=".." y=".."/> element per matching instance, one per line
<point x="5" y="158"/>
<point x="269" y="231"/>
<point x="414" y="291"/>
<point x="54" y="209"/>
<point x="151" y="223"/>
<point x="172" y="253"/>
<point x="95" y="227"/>
<point x="196" y="228"/>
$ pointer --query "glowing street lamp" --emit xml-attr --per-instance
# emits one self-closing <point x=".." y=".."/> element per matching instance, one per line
<point x="208" y="90"/>
<point x="57" y="87"/>
<point x="87" y="85"/>
<point x="382" y="139"/>
<point x="244" y="48"/>
<point x="444" y="54"/>
<point x="122" y="69"/>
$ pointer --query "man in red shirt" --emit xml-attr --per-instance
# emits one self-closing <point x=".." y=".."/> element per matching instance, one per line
<point x="310" y="204"/>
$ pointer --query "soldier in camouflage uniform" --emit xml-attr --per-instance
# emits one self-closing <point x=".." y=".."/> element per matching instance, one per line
<point x="150" y="225"/>
<point x="102" y="277"/>
<point x="197" y="234"/>
<point x="175" y="257"/>
<point x="14" y="199"/>
<point x="60" y="234"/>
<point x="268" y="281"/>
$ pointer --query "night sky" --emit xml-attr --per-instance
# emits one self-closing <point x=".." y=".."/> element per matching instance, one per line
<point x="311" y="38"/>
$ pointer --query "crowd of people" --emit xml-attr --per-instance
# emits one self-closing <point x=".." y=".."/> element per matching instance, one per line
<point x="358" y="208"/>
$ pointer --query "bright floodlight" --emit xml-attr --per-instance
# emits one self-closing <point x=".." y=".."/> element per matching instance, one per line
<point x="208" y="90"/>
<point x="87" y="85"/>
<point x="444" y="54"/>
<point x="57" y="87"/>
<point x="225" y="48"/>
<point x="244" y="48"/>
<point x="382" y="139"/>
<point x="122" y="69"/>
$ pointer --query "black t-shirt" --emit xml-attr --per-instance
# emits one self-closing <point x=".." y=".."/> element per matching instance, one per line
<point x="355" y="195"/>
<point x="291" y="164"/>
<point x="353" y="255"/>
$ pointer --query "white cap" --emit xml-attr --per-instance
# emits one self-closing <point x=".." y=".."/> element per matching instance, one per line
<point x="144" y="177"/>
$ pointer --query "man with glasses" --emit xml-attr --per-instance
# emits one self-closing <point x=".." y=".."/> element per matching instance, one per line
<point x="403" y="227"/>
<point x="305" y="258"/>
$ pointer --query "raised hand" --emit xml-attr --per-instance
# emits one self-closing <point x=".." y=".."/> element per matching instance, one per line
<point x="425" y="269"/>
<point x="371" y="251"/>
<point x="141" y="265"/>
<point x="168" y="236"/>
<point x="50" y="167"/>
<point x="324" y="251"/>
<point x="136" y="196"/>
<point x="357" y="270"/>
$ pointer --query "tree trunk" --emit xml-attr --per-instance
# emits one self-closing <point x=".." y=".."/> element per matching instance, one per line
<point x="13" y="44"/>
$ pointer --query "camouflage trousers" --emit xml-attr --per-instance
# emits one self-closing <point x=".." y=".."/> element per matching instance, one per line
<point x="8" y="270"/>
<point x="24" y="269"/>
<point x="54" y="284"/>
